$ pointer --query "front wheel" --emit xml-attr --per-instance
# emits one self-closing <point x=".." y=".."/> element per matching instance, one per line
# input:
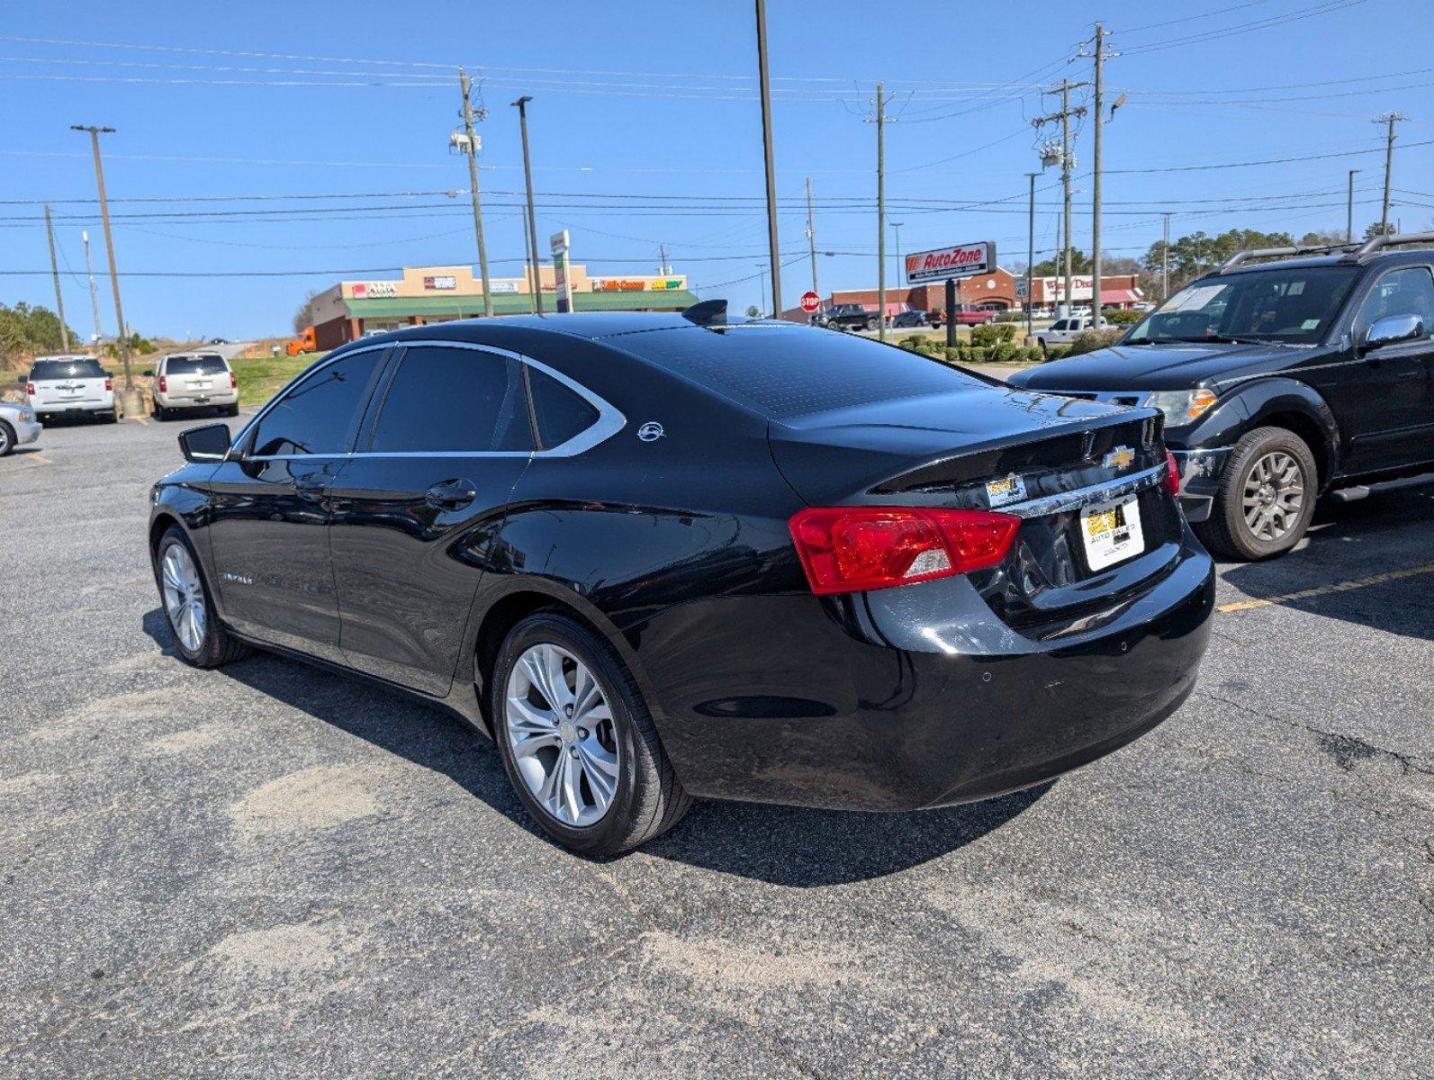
<point x="7" y="439"/>
<point x="199" y="637"/>
<point x="1266" y="497"/>
<point x="577" y="739"/>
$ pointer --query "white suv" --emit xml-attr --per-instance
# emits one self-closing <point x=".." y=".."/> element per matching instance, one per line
<point x="194" y="381"/>
<point x="70" y="384"/>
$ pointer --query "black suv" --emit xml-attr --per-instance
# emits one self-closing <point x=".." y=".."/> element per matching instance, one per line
<point x="1286" y="374"/>
<point x="846" y="317"/>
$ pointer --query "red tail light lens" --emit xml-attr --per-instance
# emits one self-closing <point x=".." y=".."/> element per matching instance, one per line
<point x="163" y="385"/>
<point x="30" y="389"/>
<point x="856" y="548"/>
<point x="109" y="384"/>
<point x="233" y="382"/>
<point x="1172" y="474"/>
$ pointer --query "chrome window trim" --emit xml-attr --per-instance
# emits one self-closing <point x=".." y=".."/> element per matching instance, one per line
<point x="1086" y="496"/>
<point x="609" y="422"/>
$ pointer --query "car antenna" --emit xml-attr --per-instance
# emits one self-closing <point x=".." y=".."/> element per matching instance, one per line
<point x="707" y="313"/>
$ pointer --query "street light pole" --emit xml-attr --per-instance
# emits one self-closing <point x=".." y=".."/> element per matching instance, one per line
<point x="1031" y="256"/>
<point x="1349" y="208"/>
<point x="94" y="295"/>
<point x="896" y="230"/>
<point x="55" y="273"/>
<point x="766" y="92"/>
<point x="522" y="104"/>
<point x="132" y="404"/>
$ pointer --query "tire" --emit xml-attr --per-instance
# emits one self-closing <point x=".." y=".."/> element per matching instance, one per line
<point x="214" y="646"/>
<point x="7" y="439"/>
<point x="647" y="799"/>
<point x="871" y="324"/>
<point x="111" y="417"/>
<point x="232" y="410"/>
<point x="1285" y="459"/>
<point x="160" y="412"/>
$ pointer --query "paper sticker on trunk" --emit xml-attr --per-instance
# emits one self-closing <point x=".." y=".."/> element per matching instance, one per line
<point x="1112" y="533"/>
<point x="1008" y="490"/>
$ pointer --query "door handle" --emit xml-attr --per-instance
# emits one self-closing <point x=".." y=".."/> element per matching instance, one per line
<point x="451" y="494"/>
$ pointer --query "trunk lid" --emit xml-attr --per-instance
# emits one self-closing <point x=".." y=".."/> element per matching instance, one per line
<point x="69" y="391"/>
<point x="1087" y="479"/>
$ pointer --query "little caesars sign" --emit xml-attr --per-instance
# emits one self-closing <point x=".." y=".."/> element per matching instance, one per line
<point x="943" y="264"/>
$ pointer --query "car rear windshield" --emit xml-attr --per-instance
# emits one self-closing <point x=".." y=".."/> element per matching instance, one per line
<point x="1295" y="305"/>
<point x="82" y="368"/>
<point x="782" y="372"/>
<point x="194" y="365"/>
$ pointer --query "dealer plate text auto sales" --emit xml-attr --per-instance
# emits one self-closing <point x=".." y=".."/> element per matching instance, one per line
<point x="1112" y="533"/>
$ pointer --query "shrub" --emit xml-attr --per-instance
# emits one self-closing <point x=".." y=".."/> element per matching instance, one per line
<point x="1123" y="317"/>
<point x="991" y="334"/>
<point x="1090" y="340"/>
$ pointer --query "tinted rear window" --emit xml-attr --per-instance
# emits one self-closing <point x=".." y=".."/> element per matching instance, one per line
<point x="561" y="413"/>
<point x="454" y="400"/>
<point x="194" y="365"/>
<point x="783" y="372"/>
<point x="86" y="368"/>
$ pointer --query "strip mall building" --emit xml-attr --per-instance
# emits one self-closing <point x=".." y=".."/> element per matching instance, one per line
<point x="429" y="294"/>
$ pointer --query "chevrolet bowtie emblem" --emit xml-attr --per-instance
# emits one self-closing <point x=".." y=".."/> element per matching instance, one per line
<point x="1119" y="458"/>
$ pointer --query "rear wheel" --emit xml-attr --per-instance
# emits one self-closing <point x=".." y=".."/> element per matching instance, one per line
<point x="232" y="410"/>
<point x="160" y="412"/>
<point x="7" y="439"/>
<point x="199" y="637"/>
<point x="1266" y="497"/>
<point x="577" y="739"/>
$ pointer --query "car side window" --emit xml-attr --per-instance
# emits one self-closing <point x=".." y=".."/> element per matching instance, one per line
<point x="453" y="400"/>
<point x="1060" y="324"/>
<point x="562" y="413"/>
<point x="1408" y="291"/>
<point x="318" y="415"/>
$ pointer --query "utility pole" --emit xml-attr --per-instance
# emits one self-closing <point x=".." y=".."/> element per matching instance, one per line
<point x="132" y="404"/>
<point x="1390" y="119"/>
<point x="1031" y="256"/>
<point x="55" y="273"/>
<point x="1064" y="116"/>
<point x="1165" y="263"/>
<point x="812" y="238"/>
<point x="762" y="270"/>
<point x="1349" y="208"/>
<point x="522" y="104"/>
<point x="94" y="296"/>
<point x="470" y="148"/>
<point x="1097" y="104"/>
<point x="880" y="212"/>
<point x="767" y="155"/>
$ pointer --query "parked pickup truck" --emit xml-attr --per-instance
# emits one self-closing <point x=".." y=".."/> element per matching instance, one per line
<point x="70" y="384"/>
<point x="1066" y="330"/>
<point x="1286" y="374"/>
<point x="846" y="317"/>
<point x="965" y="315"/>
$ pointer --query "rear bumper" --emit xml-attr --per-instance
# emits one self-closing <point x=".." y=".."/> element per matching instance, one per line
<point x="195" y="401"/>
<point x="953" y="707"/>
<point x="27" y="431"/>
<point x="58" y="408"/>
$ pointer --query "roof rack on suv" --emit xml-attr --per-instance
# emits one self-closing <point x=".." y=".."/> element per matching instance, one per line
<point x="1378" y="243"/>
<point x="1241" y="257"/>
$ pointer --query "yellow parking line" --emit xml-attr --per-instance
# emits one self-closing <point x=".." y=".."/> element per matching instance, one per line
<point x="1324" y="590"/>
<point x="37" y="459"/>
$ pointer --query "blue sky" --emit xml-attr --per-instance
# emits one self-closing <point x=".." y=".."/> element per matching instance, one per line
<point x="649" y="111"/>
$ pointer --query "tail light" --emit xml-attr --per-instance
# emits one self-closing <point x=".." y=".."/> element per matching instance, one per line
<point x="233" y="382"/>
<point x="30" y="389"/>
<point x="856" y="548"/>
<point x="163" y="385"/>
<point x="109" y="384"/>
<point x="1172" y="474"/>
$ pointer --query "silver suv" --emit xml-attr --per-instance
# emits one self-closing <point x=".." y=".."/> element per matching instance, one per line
<point x="70" y="384"/>
<point x="194" y="381"/>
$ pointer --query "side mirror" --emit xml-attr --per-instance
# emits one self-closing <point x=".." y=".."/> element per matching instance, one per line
<point x="149" y="373"/>
<point x="1392" y="329"/>
<point x="208" y="443"/>
<point x="22" y="379"/>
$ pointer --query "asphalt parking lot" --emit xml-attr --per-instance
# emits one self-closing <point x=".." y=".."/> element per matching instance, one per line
<point x="269" y="870"/>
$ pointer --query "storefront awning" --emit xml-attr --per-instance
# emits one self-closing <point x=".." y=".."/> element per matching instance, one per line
<point x="463" y="307"/>
<point x="1120" y="296"/>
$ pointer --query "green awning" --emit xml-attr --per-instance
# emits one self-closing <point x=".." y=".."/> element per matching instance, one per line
<point x="398" y="307"/>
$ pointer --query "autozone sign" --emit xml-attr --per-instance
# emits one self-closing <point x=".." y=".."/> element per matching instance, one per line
<point x="962" y="260"/>
<point x="364" y="289"/>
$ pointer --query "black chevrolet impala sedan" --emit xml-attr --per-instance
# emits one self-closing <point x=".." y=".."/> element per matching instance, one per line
<point x="658" y="557"/>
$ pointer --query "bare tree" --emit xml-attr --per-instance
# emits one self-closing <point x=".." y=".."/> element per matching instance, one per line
<point x="304" y="317"/>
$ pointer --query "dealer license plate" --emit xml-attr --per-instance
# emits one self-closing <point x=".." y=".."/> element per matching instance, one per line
<point x="1112" y="533"/>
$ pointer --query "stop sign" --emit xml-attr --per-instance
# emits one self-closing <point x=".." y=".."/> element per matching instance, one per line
<point x="810" y="301"/>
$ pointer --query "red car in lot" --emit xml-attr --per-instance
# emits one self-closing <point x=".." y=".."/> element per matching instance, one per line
<point x="965" y="315"/>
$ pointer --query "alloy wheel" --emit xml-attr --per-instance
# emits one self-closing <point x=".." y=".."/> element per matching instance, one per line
<point x="561" y="735"/>
<point x="183" y="596"/>
<point x="4" y="440"/>
<point x="1273" y="496"/>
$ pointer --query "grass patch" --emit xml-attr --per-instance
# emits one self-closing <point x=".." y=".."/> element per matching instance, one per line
<point x="260" y="378"/>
